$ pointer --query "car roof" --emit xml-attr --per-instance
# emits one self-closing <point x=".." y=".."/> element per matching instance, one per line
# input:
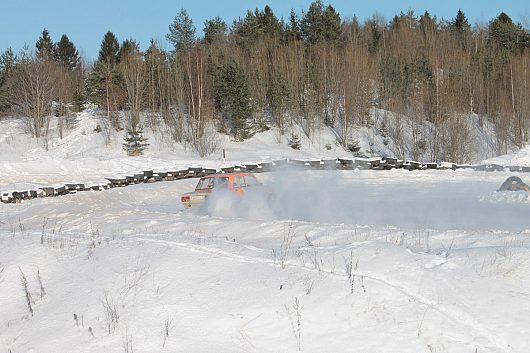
<point x="226" y="175"/>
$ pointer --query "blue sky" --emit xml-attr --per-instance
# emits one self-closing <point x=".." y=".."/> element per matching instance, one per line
<point x="86" y="22"/>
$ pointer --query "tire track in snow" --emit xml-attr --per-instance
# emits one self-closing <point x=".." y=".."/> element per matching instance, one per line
<point x="458" y="316"/>
<point x="489" y="339"/>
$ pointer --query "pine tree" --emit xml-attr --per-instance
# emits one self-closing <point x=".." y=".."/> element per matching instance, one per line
<point x="214" y="30"/>
<point x="278" y="97"/>
<point x="320" y="24"/>
<point x="128" y="47"/>
<point x="7" y="63"/>
<point x="181" y="31"/>
<point x="293" y="30"/>
<point x="104" y="81"/>
<point x="269" y="22"/>
<point x="332" y="23"/>
<point x="510" y="36"/>
<point x="248" y="30"/>
<point x="66" y="53"/>
<point x="110" y="47"/>
<point x="45" y="46"/>
<point x="460" y="22"/>
<point x="135" y="142"/>
<point x="294" y="141"/>
<point x="233" y="99"/>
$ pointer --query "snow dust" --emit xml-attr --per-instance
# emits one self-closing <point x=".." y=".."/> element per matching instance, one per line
<point x="368" y="198"/>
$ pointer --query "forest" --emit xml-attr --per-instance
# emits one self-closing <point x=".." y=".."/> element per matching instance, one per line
<point x="313" y="70"/>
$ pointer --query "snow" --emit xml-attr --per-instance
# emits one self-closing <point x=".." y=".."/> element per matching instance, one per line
<point x="519" y="158"/>
<point x="439" y="258"/>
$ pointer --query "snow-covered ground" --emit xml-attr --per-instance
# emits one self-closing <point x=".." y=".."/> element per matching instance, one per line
<point x="340" y="261"/>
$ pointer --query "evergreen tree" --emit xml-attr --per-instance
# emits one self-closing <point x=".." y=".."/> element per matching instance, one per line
<point x="269" y="22"/>
<point x="135" y="142"/>
<point x="108" y="53"/>
<point x="294" y="141"/>
<point x="181" y="31"/>
<point x="45" y="46"/>
<point x="214" y="30"/>
<point x="510" y="36"/>
<point x="332" y="24"/>
<point x="428" y="23"/>
<point x="233" y="99"/>
<point x="66" y="53"/>
<point x="248" y="30"/>
<point x="257" y="24"/>
<point x="375" y="35"/>
<point x="128" y="47"/>
<point x="460" y="23"/>
<point x="7" y="63"/>
<point x="104" y="81"/>
<point x="293" y="30"/>
<point x="278" y="97"/>
<point x="407" y="20"/>
<point x="320" y="24"/>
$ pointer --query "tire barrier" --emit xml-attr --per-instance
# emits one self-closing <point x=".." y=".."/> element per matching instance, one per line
<point x="150" y="176"/>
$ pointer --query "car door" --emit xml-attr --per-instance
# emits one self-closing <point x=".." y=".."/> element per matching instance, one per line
<point x="239" y="184"/>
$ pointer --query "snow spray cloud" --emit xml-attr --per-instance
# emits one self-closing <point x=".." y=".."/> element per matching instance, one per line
<point x="289" y="193"/>
<point x="372" y="198"/>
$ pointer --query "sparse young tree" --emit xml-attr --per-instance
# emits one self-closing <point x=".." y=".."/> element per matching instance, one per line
<point x="31" y="88"/>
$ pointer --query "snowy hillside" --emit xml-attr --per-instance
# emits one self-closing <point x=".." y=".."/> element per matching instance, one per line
<point x="82" y="153"/>
<point x="338" y="261"/>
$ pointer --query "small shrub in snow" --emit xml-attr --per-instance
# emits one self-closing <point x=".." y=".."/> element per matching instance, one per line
<point x="328" y="146"/>
<point x="127" y="343"/>
<point x="298" y="311"/>
<point x="350" y="270"/>
<point x="110" y="310"/>
<point x="165" y="330"/>
<point x="41" y="286"/>
<point x="27" y="294"/>
<point x="353" y="146"/>
<point x="281" y="255"/>
<point x="296" y="323"/>
<point x="294" y="142"/>
<point x="308" y="284"/>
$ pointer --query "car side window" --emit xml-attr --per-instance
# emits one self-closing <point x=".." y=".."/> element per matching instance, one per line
<point x="221" y="182"/>
<point x="239" y="182"/>
<point x="251" y="181"/>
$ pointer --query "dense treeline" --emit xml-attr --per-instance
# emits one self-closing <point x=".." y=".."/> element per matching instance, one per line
<point x="313" y="69"/>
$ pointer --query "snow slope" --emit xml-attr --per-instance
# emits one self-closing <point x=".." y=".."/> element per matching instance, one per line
<point x="340" y="261"/>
